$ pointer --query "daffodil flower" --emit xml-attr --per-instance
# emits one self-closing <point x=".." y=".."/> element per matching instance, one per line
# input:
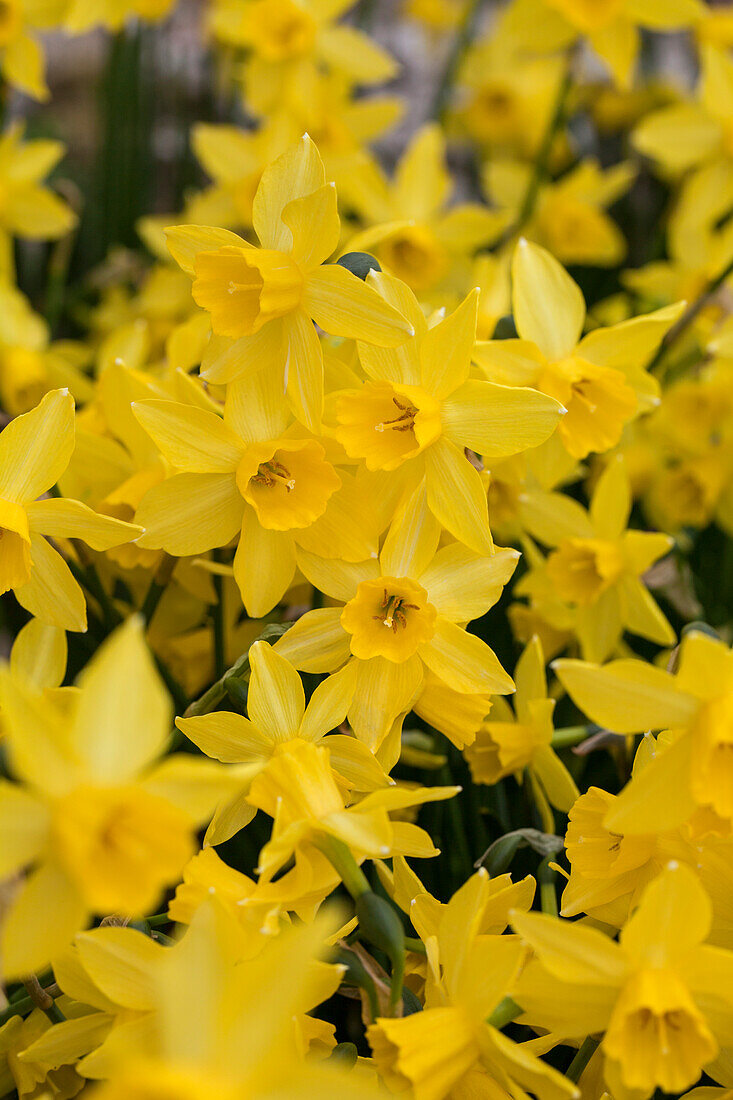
<point x="414" y="233"/>
<point x="112" y="14"/>
<point x="35" y="450"/>
<point x="298" y="790"/>
<point x="278" y="719"/>
<point x="101" y="823"/>
<point x="402" y="618"/>
<point x="229" y="1028"/>
<point x="612" y="27"/>
<point x="692" y="766"/>
<point x="655" y="995"/>
<point x="601" y="379"/>
<point x="509" y="742"/>
<point x="28" y="208"/>
<point x="247" y="475"/>
<point x="450" y="1045"/>
<point x="419" y="410"/>
<point x="262" y="301"/>
<point x="597" y="565"/>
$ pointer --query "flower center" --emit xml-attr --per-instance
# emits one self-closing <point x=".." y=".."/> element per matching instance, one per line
<point x="121" y="846"/>
<point x="288" y="487"/>
<point x="414" y="256"/>
<point x="657" y="1034"/>
<point x="385" y="424"/>
<point x="389" y="617"/>
<point x="599" y="402"/>
<point x="282" y="29"/>
<point x="581" y="569"/>
<point x="244" y="288"/>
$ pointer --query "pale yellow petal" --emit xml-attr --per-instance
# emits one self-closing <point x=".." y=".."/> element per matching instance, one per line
<point x="52" y="594"/>
<point x="496" y="421"/>
<point x="329" y="703"/>
<point x="462" y="585"/>
<point x="626" y="696"/>
<point x="445" y="351"/>
<point x="38" y="655"/>
<point x="186" y="241"/>
<point x="191" y="439"/>
<point x="338" y="579"/>
<point x="230" y="738"/>
<point x="59" y="517"/>
<point x="264" y="565"/>
<point x="24" y="827"/>
<point x="549" y="308"/>
<point x="303" y="369"/>
<point x="315" y="226"/>
<point x="464" y="662"/>
<point x="413" y="537"/>
<point x="345" y="306"/>
<point x="191" y="513"/>
<point x="316" y="642"/>
<point x="41" y="922"/>
<point x="276" y="700"/>
<point x="35" y="448"/>
<point x="457" y="497"/>
<point x="296" y="172"/>
<point x="383" y="691"/>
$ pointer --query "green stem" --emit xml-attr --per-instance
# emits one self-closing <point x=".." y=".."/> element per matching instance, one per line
<point x="506" y="1011"/>
<point x="40" y="998"/>
<point x="680" y="327"/>
<point x="339" y="856"/>
<point x="581" y="1059"/>
<point x="571" y="735"/>
<point x="463" y="39"/>
<point x="416" y="946"/>
<point x="462" y="847"/>
<point x="548" y="894"/>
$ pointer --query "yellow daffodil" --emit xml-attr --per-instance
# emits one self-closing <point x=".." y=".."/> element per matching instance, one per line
<point x="26" y="1073"/>
<point x="569" y="219"/>
<point x="262" y="301"/>
<point x="34" y="452"/>
<point x="241" y="1038"/>
<point x="450" y="1048"/>
<point x="402" y="617"/>
<point x="298" y="790"/>
<point x="419" y="410"/>
<point x="279" y="718"/>
<point x="21" y="56"/>
<point x="612" y="27"/>
<point x="245" y="475"/>
<point x="601" y="379"/>
<point x="691" y="767"/>
<point x="411" y="229"/>
<point x="510" y="742"/>
<point x="102" y="826"/>
<point x="655" y="995"/>
<point x="28" y="208"/>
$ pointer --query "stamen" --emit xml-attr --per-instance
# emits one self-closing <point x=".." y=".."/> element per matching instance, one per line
<point x="395" y="608"/>
<point x="405" y="422"/>
<point x="269" y="473"/>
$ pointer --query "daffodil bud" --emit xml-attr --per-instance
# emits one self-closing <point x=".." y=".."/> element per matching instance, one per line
<point x="359" y="263"/>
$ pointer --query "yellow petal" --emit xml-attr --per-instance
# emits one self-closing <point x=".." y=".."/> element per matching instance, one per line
<point x="338" y="579"/>
<point x="191" y="513"/>
<point x="679" y="137"/>
<point x="35" y="448"/>
<point x="570" y="952"/>
<point x="121" y="962"/>
<point x="24" y="66"/>
<point x="413" y="537"/>
<point x="296" y="172"/>
<point x="230" y="738"/>
<point x="355" y="763"/>
<point x="549" y="308"/>
<point x="276" y="700"/>
<point x="559" y="785"/>
<point x="641" y="613"/>
<point x="463" y="585"/>
<point x="345" y="306"/>
<point x="315" y="226"/>
<point x="186" y="241"/>
<point x="231" y="817"/>
<point x="344" y="47"/>
<point x="24" y="828"/>
<point x="464" y="661"/>
<point x="38" y="214"/>
<point x="41" y="922"/>
<point x="303" y="369"/>
<point x="456" y="496"/>
<point x="496" y="421"/>
<point x="52" y="594"/>
<point x="38" y="655"/>
<point x="225" y="360"/>
<point x="674" y="916"/>
<point x="658" y="797"/>
<point x="116" y="732"/>
<point x="618" y="44"/>
<point x="65" y="1043"/>
<point x="384" y="690"/>
<point x="316" y="642"/>
<point x="264" y="565"/>
<point x="626" y="696"/>
<point x="190" y="438"/>
<point x="329" y="703"/>
<point x="611" y="502"/>
<point x="59" y="517"/>
<point x="445" y="351"/>
<point x="255" y="407"/>
<point x="422" y="181"/>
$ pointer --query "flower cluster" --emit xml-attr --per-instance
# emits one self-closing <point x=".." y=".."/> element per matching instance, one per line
<point x="366" y="530"/>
